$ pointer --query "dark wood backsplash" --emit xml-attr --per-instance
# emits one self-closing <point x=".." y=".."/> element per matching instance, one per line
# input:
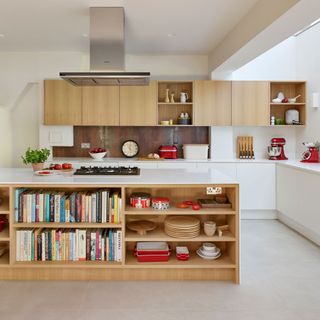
<point x="148" y="138"/>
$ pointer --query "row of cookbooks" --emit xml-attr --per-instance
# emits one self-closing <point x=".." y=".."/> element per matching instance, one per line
<point x="98" y="206"/>
<point x="69" y="245"/>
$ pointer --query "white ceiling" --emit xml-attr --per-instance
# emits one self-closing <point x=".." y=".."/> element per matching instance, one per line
<point x="59" y="25"/>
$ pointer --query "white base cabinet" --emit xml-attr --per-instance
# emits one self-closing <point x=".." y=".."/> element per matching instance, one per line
<point x="257" y="185"/>
<point x="298" y="201"/>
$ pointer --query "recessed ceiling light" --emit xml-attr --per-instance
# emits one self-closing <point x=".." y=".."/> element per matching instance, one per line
<point x="85" y="35"/>
<point x="171" y="35"/>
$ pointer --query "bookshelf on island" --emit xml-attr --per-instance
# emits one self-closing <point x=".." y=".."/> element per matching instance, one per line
<point x="79" y="232"/>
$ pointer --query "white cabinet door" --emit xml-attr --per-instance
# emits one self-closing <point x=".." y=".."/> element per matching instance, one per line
<point x="176" y="165"/>
<point x="228" y="169"/>
<point x="257" y="185"/>
<point x="139" y="164"/>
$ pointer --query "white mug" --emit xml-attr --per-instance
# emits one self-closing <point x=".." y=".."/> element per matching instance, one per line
<point x="183" y="97"/>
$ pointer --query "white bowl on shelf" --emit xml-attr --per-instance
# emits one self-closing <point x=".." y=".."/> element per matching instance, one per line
<point x="98" y="155"/>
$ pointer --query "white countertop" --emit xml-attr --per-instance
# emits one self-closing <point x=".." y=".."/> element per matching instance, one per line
<point x="180" y="160"/>
<point x="18" y="176"/>
<point x="311" y="167"/>
<point x="305" y="166"/>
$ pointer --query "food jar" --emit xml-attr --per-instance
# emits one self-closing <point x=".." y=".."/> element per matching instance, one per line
<point x="140" y="200"/>
<point x="160" y="203"/>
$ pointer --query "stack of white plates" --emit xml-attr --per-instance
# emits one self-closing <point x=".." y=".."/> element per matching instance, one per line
<point x="209" y="251"/>
<point x="182" y="226"/>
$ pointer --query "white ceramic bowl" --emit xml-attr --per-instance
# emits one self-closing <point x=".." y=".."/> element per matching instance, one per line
<point x="292" y="100"/>
<point x="208" y="246"/>
<point x="98" y="155"/>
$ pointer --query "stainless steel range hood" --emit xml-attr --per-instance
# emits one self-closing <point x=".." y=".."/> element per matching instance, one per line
<point x="107" y="63"/>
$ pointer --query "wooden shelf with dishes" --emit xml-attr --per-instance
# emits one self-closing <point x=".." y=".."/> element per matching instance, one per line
<point x="160" y="235"/>
<point x="182" y="94"/>
<point x="295" y="92"/>
<point x="16" y="263"/>
<point x="194" y="262"/>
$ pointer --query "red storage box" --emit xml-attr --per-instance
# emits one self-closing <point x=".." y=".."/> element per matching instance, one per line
<point x="168" y="152"/>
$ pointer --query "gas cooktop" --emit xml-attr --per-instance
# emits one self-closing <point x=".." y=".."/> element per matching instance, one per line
<point x="108" y="171"/>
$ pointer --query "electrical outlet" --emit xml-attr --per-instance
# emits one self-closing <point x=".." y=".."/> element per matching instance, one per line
<point x="85" y="145"/>
<point x="214" y="190"/>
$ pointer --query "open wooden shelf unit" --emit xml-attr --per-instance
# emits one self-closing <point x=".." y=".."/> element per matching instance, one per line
<point x="290" y="89"/>
<point x="224" y="268"/>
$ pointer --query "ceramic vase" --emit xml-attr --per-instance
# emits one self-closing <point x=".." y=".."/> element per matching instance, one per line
<point x="167" y="100"/>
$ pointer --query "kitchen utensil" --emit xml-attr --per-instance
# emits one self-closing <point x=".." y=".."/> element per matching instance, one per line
<point x="277" y="153"/>
<point x="142" y="226"/>
<point x="182" y="226"/>
<point x="152" y="251"/>
<point x="168" y="152"/>
<point x="212" y="203"/>
<point x="150" y="159"/>
<point x="165" y="122"/>
<point x="184" y="121"/>
<point x="280" y="96"/>
<point x="140" y="200"/>
<point x="108" y="171"/>
<point x="45" y="173"/>
<point x="160" y="203"/>
<point x="312" y="154"/>
<point x="276" y="100"/>
<point x="182" y="253"/>
<point x="294" y="100"/>
<point x="274" y="151"/>
<point x="292" y="116"/>
<point x="98" y="155"/>
<point x="221" y="199"/>
<point x="183" y="97"/>
<point x="209" y="228"/>
<point x="245" y="147"/>
<point x="172" y="98"/>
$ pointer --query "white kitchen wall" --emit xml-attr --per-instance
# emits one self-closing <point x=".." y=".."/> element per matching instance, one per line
<point x="308" y="68"/>
<point x="21" y="94"/>
<point x="278" y="63"/>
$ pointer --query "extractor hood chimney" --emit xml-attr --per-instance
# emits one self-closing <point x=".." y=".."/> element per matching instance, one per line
<point x="107" y="56"/>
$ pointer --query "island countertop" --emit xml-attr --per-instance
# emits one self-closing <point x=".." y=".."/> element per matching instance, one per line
<point x="22" y="176"/>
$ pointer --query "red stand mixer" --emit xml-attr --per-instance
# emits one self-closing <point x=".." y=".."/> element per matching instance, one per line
<point x="276" y="150"/>
<point x="312" y="154"/>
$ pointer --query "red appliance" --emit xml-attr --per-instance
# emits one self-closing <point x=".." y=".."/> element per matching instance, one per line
<point x="312" y="154"/>
<point x="168" y="152"/>
<point x="278" y="143"/>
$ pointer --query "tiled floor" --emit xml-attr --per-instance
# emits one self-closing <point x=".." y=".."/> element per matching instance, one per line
<point x="280" y="280"/>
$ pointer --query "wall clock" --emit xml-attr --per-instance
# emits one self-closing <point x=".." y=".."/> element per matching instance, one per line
<point x="130" y="148"/>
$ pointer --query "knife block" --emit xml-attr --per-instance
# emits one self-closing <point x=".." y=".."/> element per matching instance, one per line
<point x="245" y="147"/>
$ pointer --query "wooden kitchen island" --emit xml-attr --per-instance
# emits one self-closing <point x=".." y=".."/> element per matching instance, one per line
<point x="178" y="185"/>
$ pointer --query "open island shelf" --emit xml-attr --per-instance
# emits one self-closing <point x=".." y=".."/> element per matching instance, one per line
<point x="225" y="267"/>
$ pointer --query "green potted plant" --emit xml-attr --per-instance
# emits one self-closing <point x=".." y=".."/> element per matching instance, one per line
<point x="36" y="157"/>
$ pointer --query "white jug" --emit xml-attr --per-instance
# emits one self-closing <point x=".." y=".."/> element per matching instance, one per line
<point x="183" y="97"/>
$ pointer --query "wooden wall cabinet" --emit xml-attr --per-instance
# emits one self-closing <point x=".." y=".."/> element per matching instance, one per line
<point x="100" y="105"/>
<point x="138" y="105"/>
<point x="212" y="103"/>
<point x="62" y="103"/>
<point x="250" y="103"/>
